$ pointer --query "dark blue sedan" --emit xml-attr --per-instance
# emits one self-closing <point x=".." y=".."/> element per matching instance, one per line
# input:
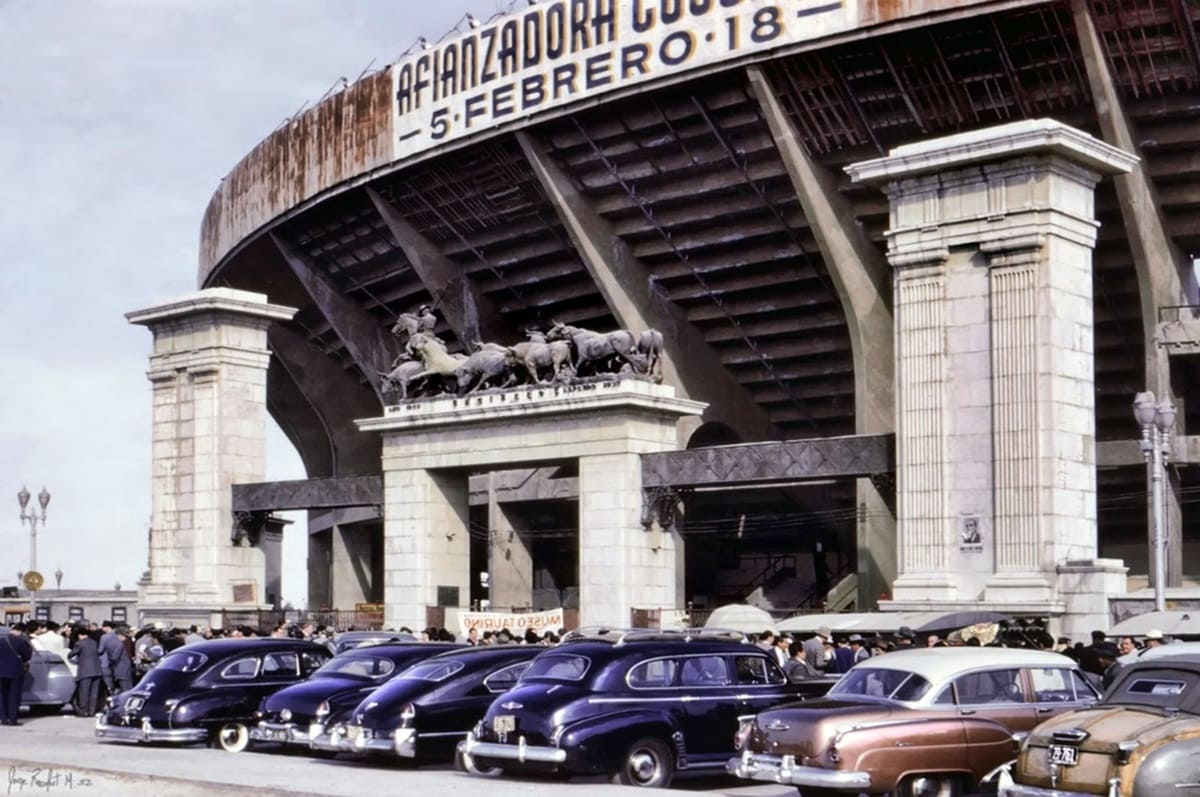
<point x="639" y="706"/>
<point x="293" y="716"/>
<point x="428" y="709"/>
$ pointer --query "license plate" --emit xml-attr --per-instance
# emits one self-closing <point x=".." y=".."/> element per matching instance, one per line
<point x="504" y="723"/>
<point x="1064" y="756"/>
<point x="277" y="735"/>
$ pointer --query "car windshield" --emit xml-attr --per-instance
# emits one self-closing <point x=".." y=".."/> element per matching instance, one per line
<point x="1160" y="687"/>
<point x="433" y="670"/>
<point x="878" y="682"/>
<point x="369" y="667"/>
<point x="182" y="661"/>
<point x="557" y="667"/>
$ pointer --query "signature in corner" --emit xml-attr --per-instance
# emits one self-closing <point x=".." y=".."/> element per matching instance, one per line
<point x="45" y="779"/>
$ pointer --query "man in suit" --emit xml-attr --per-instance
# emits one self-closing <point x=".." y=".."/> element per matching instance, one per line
<point x="86" y="655"/>
<point x="112" y="649"/>
<point x="15" y="653"/>
<point x="814" y="648"/>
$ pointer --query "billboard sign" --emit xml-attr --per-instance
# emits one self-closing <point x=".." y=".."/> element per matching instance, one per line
<point x="555" y="53"/>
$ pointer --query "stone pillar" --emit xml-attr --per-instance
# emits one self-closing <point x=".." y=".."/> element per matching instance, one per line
<point x="209" y="370"/>
<point x="350" y="566"/>
<point x="430" y="446"/>
<point x="510" y="562"/>
<point x="320" y="561"/>
<point x="990" y="243"/>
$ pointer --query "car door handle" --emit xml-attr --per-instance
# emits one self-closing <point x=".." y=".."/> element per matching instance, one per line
<point x="1044" y="710"/>
<point x="967" y="711"/>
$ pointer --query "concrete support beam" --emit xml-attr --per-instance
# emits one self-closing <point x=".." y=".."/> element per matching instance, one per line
<point x="628" y="288"/>
<point x="470" y="313"/>
<point x="350" y="566"/>
<point x="318" y="409"/>
<point x="1159" y="263"/>
<point x="510" y="562"/>
<point x="524" y="484"/>
<point x="365" y="338"/>
<point x="308" y="494"/>
<point x="864" y="285"/>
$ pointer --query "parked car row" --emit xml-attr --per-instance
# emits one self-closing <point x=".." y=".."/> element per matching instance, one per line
<point x="643" y="707"/>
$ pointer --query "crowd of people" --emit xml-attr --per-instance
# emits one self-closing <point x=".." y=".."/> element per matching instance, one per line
<point x="828" y="654"/>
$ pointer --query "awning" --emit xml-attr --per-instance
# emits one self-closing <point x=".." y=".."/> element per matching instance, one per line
<point x="1171" y="623"/>
<point x="890" y="622"/>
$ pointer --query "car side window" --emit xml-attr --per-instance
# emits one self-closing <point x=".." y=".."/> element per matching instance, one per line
<point x="945" y="697"/>
<point x="281" y="664"/>
<point x="653" y="674"/>
<point x="989" y="686"/>
<point x="240" y="669"/>
<point x="751" y="670"/>
<point x="1052" y="685"/>
<point x="1083" y="689"/>
<point x="503" y="680"/>
<point x="704" y="671"/>
<point x="311" y="662"/>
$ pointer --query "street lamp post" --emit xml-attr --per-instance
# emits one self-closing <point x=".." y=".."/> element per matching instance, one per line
<point x="1156" y="419"/>
<point x="33" y="519"/>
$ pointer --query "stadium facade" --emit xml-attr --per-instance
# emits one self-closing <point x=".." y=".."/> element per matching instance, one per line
<point x="915" y="260"/>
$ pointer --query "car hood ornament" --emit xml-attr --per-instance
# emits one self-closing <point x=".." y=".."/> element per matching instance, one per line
<point x="511" y="705"/>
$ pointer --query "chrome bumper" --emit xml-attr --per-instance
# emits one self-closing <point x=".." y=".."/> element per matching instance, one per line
<point x="279" y="732"/>
<point x="783" y="769"/>
<point x="145" y="732"/>
<point x="1019" y="790"/>
<point x="510" y="752"/>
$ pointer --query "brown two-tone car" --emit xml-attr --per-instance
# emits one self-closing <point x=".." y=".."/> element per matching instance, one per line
<point x="1141" y="740"/>
<point x="930" y="722"/>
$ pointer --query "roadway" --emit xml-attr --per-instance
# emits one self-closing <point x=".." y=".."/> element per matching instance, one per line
<point x="59" y="755"/>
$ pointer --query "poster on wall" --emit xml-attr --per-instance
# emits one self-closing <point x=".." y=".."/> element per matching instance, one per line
<point x="970" y="534"/>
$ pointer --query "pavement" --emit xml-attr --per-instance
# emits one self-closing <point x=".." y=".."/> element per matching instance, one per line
<point x="59" y="755"/>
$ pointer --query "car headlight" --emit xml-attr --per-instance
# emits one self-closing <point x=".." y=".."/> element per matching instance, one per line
<point x="285" y="715"/>
<point x="408" y="714"/>
<point x="323" y="709"/>
<point x="557" y="733"/>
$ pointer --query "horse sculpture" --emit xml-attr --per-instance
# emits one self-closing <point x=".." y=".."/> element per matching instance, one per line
<point x="409" y="325"/>
<point x="597" y="350"/>
<point x="537" y="353"/>
<point x="469" y="373"/>
<point x="650" y="346"/>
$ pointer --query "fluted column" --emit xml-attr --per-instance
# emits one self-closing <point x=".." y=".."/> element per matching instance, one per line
<point x="990" y="241"/>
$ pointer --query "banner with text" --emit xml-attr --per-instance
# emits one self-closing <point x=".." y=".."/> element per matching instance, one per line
<point x="554" y="53"/>
<point x="517" y="624"/>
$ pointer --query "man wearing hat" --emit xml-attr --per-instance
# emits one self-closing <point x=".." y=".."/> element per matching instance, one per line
<point x="1154" y="638"/>
<point x="860" y="651"/>
<point x="814" y="648"/>
<point x="905" y="637"/>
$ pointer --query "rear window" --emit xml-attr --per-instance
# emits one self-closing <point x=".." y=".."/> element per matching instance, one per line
<point x="1159" y="687"/>
<point x="182" y="661"/>
<point x="557" y="667"/>
<point x="433" y="670"/>
<point x="878" y="682"/>
<point x="358" y="667"/>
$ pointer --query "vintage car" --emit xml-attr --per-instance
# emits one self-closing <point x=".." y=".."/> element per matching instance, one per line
<point x="49" y="683"/>
<point x="1141" y="740"/>
<point x="427" y="710"/>
<point x="290" y="715"/>
<point x="209" y="691"/>
<point x="929" y="721"/>
<point x="638" y="706"/>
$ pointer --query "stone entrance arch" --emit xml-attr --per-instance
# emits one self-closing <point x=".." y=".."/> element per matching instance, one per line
<point x="430" y="446"/>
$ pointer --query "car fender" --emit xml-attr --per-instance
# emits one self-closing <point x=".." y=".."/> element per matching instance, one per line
<point x="950" y="745"/>
<point x="1168" y="764"/>
<point x="599" y="743"/>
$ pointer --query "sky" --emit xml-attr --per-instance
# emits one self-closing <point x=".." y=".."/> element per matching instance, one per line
<point x="118" y="119"/>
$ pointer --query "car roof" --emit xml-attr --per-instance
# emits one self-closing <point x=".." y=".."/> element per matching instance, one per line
<point x="1188" y="650"/>
<point x="652" y="648"/>
<point x="938" y="664"/>
<point x="222" y="647"/>
<point x="390" y="648"/>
